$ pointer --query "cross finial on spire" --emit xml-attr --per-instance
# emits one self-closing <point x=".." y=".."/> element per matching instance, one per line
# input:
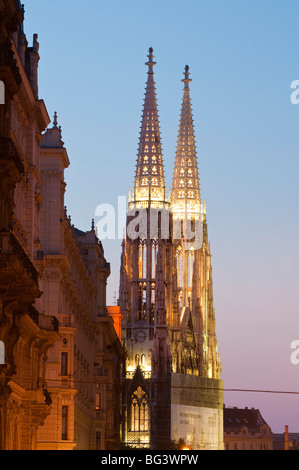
<point x="151" y="63"/>
<point x="187" y="80"/>
<point x="55" y="121"/>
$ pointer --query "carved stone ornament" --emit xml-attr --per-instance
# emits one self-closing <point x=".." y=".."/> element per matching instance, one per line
<point x="140" y="336"/>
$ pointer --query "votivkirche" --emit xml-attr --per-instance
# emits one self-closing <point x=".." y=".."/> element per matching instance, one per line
<point x="172" y="387"/>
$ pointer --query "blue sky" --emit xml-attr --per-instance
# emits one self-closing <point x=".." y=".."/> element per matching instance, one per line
<point x="243" y="57"/>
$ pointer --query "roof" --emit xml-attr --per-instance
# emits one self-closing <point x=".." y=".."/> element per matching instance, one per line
<point x="237" y="418"/>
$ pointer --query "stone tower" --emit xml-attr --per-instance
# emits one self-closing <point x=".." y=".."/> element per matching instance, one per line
<point x="171" y="380"/>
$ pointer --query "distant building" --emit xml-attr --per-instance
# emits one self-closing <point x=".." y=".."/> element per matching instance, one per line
<point x="281" y="442"/>
<point x="245" y="429"/>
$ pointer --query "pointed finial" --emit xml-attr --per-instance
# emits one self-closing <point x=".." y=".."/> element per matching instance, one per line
<point x="187" y="80"/>
<point x="151" y="63"/>
<point x="92" y="225"/>
<point x="55" y="121"/>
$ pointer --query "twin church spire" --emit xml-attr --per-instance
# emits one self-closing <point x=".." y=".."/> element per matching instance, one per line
<point x="149" y="185"/>
<point x="149" y="179"/>
<point x="166" y="296"/>
<point x="185" y="188"/>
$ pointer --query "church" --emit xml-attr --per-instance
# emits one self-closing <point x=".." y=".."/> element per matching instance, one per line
<point x="171" y="382"/>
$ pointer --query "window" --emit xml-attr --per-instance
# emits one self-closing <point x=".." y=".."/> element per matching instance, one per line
<point x="179" y="257"/>
<point x="98" y="401"/>
<point x="153" y="295"/>
<point x="142" y="259"/>
<point x="141" y="315"/>
<point x="181" y="300"/>
<point x="64" y="363"/>
<point x="154" y="258"/>
<point x="64" y="429"/>
<point x="139" y="411"/>
<point x="190" y="257"/>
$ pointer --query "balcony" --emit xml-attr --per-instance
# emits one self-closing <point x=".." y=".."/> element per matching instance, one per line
<point x="45" y="322"/>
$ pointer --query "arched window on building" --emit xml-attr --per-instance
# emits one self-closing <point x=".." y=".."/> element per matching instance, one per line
<point x="142" y="363"/>
<point x="153" y="300"/>
<point x="141" y="314"/>
<point x="139" y="411"/>
<point x="179" y="258"/>
<point x="142" y="259"/>
<point x="190" y="258"/>
<point x="154" y="257"/>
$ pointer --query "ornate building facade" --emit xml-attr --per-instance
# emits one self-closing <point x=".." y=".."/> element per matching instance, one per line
<point x="26" y="334"/>
<point x="172" y="386"/>
<point x="59" y="380"/>
<point x="83" y="368"/>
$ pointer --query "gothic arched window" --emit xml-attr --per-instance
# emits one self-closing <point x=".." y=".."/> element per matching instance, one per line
<point x="179" y="259"/>
<point x="139" y="411"/>
<point x="142" y="259"/>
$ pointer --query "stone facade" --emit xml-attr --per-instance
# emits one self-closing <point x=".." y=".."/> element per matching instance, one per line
<point x="172" y="386"/>
<point x="59" y="384"/>
<point x="26" y="334"/>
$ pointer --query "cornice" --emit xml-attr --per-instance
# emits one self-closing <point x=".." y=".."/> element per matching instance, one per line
<point x="57" y="261"/>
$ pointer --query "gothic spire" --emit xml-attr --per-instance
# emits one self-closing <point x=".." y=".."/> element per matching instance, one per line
<point x="149" y="178"/>
<point x="186" y="189"/>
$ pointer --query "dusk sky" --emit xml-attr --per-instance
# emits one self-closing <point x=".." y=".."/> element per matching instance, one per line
<point x="243" y="57"/>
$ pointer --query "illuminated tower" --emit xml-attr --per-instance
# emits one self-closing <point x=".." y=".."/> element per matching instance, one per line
<point x="193" y="253"/>
<point x="196" y="368"/>
<point x="139" y="285"/>
<point x="172" y="370"/>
